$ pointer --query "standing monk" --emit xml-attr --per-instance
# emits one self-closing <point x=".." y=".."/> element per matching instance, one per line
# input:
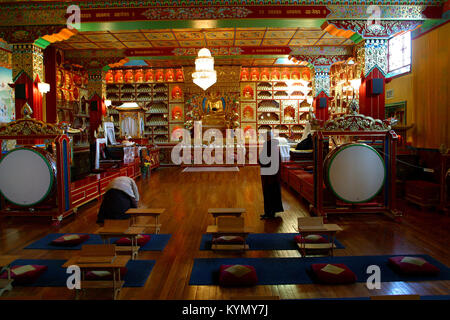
<point x="270" y="159"/>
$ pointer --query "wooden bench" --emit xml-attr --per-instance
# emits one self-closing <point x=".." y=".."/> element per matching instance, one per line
<point x="5" y="265"/>
<point x="121" y="228"/>
<point x="229" y="226"/>
<point x="228" y="212"/>
<point x="136" y="213"/>
<point x="99" y="258"/>
<point x="314" y="225"/>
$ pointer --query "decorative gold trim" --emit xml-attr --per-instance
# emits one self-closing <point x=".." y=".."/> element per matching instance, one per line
<point x="356" y="122"/>
<point x="27" y="127"/>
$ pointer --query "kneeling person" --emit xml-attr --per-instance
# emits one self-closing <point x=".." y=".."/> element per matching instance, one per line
<point x="121" y="195"/>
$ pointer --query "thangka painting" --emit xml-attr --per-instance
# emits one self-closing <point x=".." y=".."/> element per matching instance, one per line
<point x="7" y="106"/>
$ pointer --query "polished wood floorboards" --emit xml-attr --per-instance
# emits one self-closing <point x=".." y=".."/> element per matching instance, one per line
<point x="187" y="197"/>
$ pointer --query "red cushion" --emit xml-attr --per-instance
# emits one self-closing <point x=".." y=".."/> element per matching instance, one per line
<point x="312" y="238"/>
<point x="413" y="266"/>
<point x="237" y="275"/>
<point x="69" y="240"/>
<point x="228" y="240"/>
<point x="104" y="275"/>
<point x="142" y="239"/>
<point x="25" y="274"/>
<point x="336" y="273"/>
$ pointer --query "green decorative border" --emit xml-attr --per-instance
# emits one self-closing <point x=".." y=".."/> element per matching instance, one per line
<point x="51" y="176"/>
<point x="348" y="146"/>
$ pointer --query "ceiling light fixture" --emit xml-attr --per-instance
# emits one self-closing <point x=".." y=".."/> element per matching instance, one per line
<point x="205" y="75"/>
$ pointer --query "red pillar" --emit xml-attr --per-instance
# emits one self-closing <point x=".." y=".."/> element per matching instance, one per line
<point x="370" y="103"/>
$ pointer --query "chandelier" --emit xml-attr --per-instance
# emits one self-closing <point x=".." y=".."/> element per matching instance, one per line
<point x="205" y="75"/>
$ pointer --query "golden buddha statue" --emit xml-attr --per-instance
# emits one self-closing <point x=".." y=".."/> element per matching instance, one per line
<point x="215" y="114"/>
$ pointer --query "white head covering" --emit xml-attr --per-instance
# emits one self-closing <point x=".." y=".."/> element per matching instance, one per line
<point x="306" y="132"/>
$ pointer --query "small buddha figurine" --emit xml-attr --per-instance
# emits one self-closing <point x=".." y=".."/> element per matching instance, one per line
<point x="179" y="75"/>
<point x="244" y="75"/>
<point x="169" y="76"/>
<point x="139" y="76"/>
<point x="149" y="76"/>
<point x="159" y="76"/>
<point x="176" y="93"/>
<point x="295" y="76"/>
<point x="119" y="76"/>
<point x="176" y="114"/>
<point x="254" y="75"/>
<point x="275" y="75"/>
<point x="129" y="76"/>
<point x="265" y="75"/>
<point x="248" y="93"/>
<point x="248" y="113"/>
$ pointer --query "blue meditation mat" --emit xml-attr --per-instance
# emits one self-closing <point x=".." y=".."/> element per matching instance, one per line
<point x="56" y="276"/>
<point x="157" y="242"/>
<point x="273" y="271"/>
<point x="266" y="241"/>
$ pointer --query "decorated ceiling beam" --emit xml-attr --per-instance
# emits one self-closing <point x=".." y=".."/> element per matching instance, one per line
<point x="95" y="59"/>
<point x="40" y="35"/>
<point x="183" y="13"/>
<point x="378" y="29"/>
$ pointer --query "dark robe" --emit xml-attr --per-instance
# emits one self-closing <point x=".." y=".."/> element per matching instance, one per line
<point x="306" y="144"/>
<point x="271" y="186"/>
<point x="114" y="205"/>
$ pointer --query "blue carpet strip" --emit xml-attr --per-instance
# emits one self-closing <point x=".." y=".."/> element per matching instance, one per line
<point x="157" y="242"/>
<point x="274" y="271"/>
<point x="56" y="276"/>
<point x="266" y="241"/>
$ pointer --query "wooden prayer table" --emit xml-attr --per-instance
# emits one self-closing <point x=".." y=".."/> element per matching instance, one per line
<point x="315" y="225"/>
<point x="146" y="212"/>
<point x="229" y="212"/>
<point x="229" y="226"/>
<point x="5" y="265"/>
<point x="100" y="262"/>
<point x="106" y="233"/>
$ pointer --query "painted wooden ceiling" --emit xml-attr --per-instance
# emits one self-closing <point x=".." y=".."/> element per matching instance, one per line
<point x="199" y="38"/>
<point x="177" y="38"/>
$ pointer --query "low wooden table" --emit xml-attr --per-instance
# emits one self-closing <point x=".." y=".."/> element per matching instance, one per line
<point x="214" y="230"/>
<point x="131" y="232"/>
<point x="146" y="212"/>
<point x="112" y="264"/>
<point x="230" y="212"/>
<point x="328" y="229"/>
<point x="5" y="265"/>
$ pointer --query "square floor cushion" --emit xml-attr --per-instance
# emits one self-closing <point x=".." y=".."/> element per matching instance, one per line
<point x="228" y="240"/>
<point x="336" y="273"/>
<point x="412" y="266"/>
<point x="25" y="274"/>
<point x="142" y="239"/>
<point x="70" y="240"/>
<point x="104" y="275"/>
<point x="312" y="238"/>
<point x="237" y="276"/>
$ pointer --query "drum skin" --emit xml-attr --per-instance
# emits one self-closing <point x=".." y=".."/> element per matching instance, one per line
<point x="27" y="176"/>
<point x="354" y="172"/>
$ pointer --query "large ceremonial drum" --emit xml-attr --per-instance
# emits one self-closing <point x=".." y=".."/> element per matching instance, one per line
<point x="27" y="176"/>
<point x="354" y="172"/>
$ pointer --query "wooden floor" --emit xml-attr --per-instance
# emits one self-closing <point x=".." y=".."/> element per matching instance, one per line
<point x="187" y="197"/>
